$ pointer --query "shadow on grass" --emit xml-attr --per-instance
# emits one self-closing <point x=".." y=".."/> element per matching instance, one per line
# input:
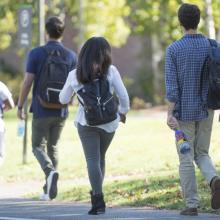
<point x="157" y="192"/>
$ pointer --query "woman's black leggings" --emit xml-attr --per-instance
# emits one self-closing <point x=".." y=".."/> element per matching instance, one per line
<point x="95" y="142"/>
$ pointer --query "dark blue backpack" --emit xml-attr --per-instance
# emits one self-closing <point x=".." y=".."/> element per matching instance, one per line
<point x="53" y="77"/>
<point x="211" y="67"/>
<point x="100" y="106"/>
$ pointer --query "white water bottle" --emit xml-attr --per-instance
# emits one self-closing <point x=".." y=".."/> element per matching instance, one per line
<point x="21" y="128"/>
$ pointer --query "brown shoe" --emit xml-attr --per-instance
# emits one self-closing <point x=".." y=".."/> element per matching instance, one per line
<point x="189" y="211"/>
<point x="215" y="187"/>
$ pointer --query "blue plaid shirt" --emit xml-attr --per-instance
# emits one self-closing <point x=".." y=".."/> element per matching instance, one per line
<point x="184" y="62"/>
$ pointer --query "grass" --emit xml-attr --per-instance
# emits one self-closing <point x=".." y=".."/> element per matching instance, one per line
<point x="141" y="163"/>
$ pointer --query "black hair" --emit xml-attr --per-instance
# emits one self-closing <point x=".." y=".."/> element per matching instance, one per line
<point x="94" y="60"/>
<point x="189" y="16"/>
<point x="54" y="27"/>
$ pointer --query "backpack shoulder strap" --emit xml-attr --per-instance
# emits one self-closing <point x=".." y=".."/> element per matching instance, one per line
<point x="47" y="49"/>
<point x="55" y="51"/>
<point x="80" y="100"/>
<point x="212" y="42"/>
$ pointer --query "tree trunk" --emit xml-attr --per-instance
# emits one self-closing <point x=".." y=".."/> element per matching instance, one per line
<point x="157" y="75"/>
<point x="210" y="24"/>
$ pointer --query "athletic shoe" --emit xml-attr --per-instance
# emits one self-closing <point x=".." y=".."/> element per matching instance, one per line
<point x="215" y="187"/>
<point x="52" y="184"/>
<point x="189" y="212"/>
<point x="44" y="197"/>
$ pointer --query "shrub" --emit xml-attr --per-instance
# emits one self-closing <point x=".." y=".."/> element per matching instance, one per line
<point x="138" y="103"/>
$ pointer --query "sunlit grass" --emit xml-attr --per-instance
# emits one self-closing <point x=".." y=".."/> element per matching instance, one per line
<point x="141" y="163"/>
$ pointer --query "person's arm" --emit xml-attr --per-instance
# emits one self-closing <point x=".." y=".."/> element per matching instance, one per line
<point x="74" y="62"/>
<point x="67" y="91"/>
<point x="8" y="104"/>
<point x="25" y="89"/>
<point x="121" y="92"/>
<point x="6" y="96"/>
<point x="172" y="90"/>
<point x="172" y="122"/>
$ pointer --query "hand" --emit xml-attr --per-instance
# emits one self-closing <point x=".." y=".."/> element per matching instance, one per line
<point x="172" y="122"/>
<point x="20" y="114"/>
<point x="122" y="117"/>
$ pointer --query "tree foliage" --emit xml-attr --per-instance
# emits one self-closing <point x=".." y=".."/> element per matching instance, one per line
<point x="158" y="21"/>
<point x="7" y="27"/>
<point x="101" y="18"/>
<point x="154" y="20"/>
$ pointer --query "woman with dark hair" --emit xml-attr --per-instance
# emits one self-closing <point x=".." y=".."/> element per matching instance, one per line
<point x="94" y="68"/>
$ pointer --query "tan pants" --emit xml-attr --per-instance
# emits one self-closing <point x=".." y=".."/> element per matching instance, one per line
<point x="198" y="134"/>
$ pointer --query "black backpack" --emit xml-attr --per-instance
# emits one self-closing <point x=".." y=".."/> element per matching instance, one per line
<point x="211" y="67"/>
<point x="53" y="77"/>
<point x="100" y="106"/>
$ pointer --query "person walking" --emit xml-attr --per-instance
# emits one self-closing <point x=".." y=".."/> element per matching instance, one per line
<point x="94" y="81"/>
<point x="187" y="111"/>
<point x="48" y="118"/>
<point x="6" y="103"/>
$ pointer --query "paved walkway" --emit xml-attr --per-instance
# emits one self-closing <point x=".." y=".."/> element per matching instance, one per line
<point x="13" y="206"/>
<point x="23" y="209"/>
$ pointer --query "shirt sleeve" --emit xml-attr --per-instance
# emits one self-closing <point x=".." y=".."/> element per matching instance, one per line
<point x="74" y="62"/>
<point x="120" y="90"/>
<point x="171" y="83"/>
<point x="4" y="92"/>
<point x="31" y="65"/>
<point x="67" y="92"/>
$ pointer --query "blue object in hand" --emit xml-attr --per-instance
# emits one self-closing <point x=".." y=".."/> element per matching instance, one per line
<point x="21" y="128"/>
<point x="182" y="142"/>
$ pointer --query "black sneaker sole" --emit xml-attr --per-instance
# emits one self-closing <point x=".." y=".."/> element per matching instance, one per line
<point x="53" y="188"/>
<point x="189" y="214"/>
<point x="97" y="212"/>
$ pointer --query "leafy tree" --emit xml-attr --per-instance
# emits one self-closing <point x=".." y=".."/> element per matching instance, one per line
<point x="101" y="17"/>
<point x="7" y="27"/>
<point x="158" y="21"/>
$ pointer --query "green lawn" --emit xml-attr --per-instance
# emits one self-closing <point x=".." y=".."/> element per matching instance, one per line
<point x="141" y="166"/>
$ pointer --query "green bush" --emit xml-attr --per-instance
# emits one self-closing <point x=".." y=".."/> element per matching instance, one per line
<point x="138" y="103"/>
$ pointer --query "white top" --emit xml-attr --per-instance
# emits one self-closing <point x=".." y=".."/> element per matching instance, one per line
<point x="116" y="85"/>
<point x="4" y="95"/>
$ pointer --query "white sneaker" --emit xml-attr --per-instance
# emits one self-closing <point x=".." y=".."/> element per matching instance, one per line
<point x="52" y="184"/>
<point x="44" y="197"/>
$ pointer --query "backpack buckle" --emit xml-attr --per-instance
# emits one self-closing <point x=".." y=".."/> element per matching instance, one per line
<point x="98" y="100"/>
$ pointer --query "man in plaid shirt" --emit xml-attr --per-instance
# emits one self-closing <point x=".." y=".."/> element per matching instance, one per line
<point x="187" y="110"/>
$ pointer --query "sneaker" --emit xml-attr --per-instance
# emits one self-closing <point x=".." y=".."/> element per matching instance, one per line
<point x="189" y="211"/>
<point x="44" y="197"/>
<point x="52" y="184"/>
<point x="215" y="187"/>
